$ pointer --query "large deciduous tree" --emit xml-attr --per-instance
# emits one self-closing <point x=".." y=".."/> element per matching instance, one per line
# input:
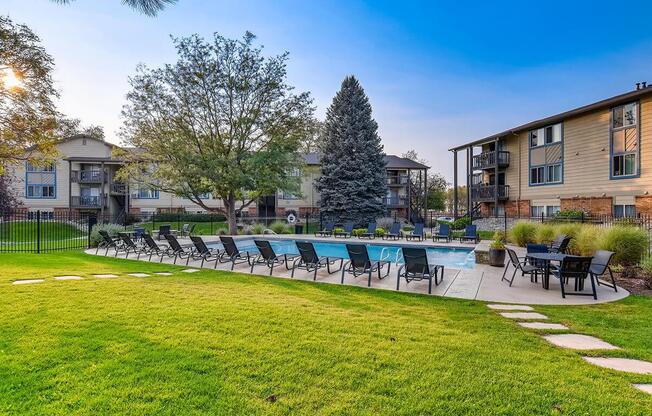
<point x="434" y="190"/>
<point x="27" y="111"/>
<point x="221" y="120"/>
<point x="352" y="184"/>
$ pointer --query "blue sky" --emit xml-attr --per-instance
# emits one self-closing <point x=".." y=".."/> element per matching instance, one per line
<point x="437" y="73"/>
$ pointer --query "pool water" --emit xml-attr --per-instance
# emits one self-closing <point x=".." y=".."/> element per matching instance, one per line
<point x="457" y="258"/>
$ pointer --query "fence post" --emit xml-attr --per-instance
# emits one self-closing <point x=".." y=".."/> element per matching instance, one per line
<point x="210" y="217"/>
<point x="154" y="222"/>
<point x="582" y="217"/>
<point x="505" y="214"/>
<point x="38" y="231"/>
<point x="541" y="217"/>
<point x="178" y="222"/>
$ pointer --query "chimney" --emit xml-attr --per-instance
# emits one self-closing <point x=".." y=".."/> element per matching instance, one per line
<point x="638" y="86"/>
<point x="643" y="84"/>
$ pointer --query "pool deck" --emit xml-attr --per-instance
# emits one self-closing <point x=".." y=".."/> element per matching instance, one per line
<point x="483" y="282"/>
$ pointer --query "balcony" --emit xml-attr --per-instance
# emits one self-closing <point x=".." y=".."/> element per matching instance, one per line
<point x="400" y="180"/>
<point x="487" y="160"/>
<point x="396" y="202"/>
<point x="486" y="193"/>
<point x="118" y="188"/>
<point x="87" y="176"/>
<point x="87" y="201"/>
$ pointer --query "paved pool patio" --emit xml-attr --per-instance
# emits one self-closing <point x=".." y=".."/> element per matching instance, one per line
<point x="482" y="282"/>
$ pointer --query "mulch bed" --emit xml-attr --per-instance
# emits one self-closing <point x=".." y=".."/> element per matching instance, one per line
<point x="634" y="281"/>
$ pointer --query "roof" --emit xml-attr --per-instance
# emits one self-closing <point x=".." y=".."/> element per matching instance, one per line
<point x="599" y="105"/>
<point x="391" y="161"/>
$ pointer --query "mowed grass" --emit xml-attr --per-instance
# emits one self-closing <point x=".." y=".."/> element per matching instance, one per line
<point x="228" y="343"/>
<point x="26" y="231"/>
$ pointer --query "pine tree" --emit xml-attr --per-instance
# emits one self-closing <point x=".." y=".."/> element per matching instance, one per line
<point x="352" y="183"/>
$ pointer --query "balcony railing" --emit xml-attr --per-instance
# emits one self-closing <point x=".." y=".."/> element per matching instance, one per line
<point x="486" y="193"/>
<point x="87" y="176"/>
<point x="397" y="180"/>
<point x="486" y="160"/>
<point x="119" y="188"/>
<point x="87" y="201"/>
<point x="400" y="201"/>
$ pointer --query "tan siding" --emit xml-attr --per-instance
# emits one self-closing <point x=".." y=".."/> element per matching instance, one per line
<point x="586" y="160"/>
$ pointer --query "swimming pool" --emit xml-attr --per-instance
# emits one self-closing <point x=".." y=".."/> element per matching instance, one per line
<point x="457" y="258"/>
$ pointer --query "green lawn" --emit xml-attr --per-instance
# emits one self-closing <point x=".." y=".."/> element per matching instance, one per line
<point x="201" y="228"/>
<point x="53" y="235"/>
<point x="221" y="343"/>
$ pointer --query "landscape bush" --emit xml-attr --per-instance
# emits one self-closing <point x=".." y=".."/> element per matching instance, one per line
<point x="570" y="214"/>
<point x="588" y="240"/>
<point x="458" y="224"/>
<point x="357" y="232"/>
<point x="112" y="229"/>
<point x="523" y="232"/>
<point x="281" y="227"/>
<point x="380" y="231"/>
<point x="545" y="233"/>
<point x="629" y="244"/>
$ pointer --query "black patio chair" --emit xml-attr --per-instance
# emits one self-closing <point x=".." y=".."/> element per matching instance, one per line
<point x="129" y="245"/>
<point x="443" y="232"/>
<point x="579" y="269"/>
<point x="359" y="263"/>
<point x="347" y="231"/>
<point x="269" y="258"/>
<point x="327" y="231"/>
<point x="151" y="247"/>
<point x="231" y="252"/>
<point x="416" y="267"/>
<point x="600" y="267"/>
<point x="538" y="248"/>
<point x="470" y="234"/>
<point x="309" y="261"/>
<point x="108" y="243"/>
<point x="560" y="245"/>
<point x="177" y="250"/>
<point x="163" y="231"/>
<point x="417" y="233"/>
<point x="202" y="252"/>
<point x="522" y="265"/>
<point x="394" y="232"/>
<point x="371" y="231"/>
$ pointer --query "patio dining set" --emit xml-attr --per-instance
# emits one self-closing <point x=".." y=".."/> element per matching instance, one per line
<point x="546" y="260"/>
<point x="415" y="267"/>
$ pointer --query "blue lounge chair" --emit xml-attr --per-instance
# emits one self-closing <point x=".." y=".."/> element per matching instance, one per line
<point x="394" y="232"/>
<point x="443" y="233"/>
<point x="327" y="231"/>
<point x="417" y="233"/>
<point x="470" y="234"/>
<point x="371" y="231"/>
<point x="348" y="230"/>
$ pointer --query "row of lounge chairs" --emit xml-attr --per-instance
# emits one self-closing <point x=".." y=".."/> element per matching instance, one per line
<point x="415" y="267"/>
<point x="444" y="232"/>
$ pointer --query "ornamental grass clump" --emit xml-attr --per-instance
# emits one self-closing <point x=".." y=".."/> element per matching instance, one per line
<point x="112" y="229"/>
<point x="545" y="233"/>
<point x="280" y="227"/>
<point x="522" y="233"/>
<point x="629" y="244"/>
<point x="588" y="240"/>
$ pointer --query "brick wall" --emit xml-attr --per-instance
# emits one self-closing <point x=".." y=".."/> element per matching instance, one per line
<point x="518" y="208"/>
<point x="643" y="205"/>
<point x="135" y="211"/>
<point x="591" y="205"/>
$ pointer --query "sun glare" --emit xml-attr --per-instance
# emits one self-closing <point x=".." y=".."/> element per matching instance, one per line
<point x="10" y="79"/>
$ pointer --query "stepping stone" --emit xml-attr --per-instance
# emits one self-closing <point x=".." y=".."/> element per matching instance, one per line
<point x="27" y="281"/>
<point x="542" y="325"/>
<point x="622" y="364"/>
<point x="644" y="387"/>
<point x="68" y="278"/>
<point x="190" y="270"/>
<point x="138" y="274"/>
<point x="105" y="276"/>
<point x="163" y="274"/>
<point x="579" y="342"/>
<point x="523" y="315"/>
<point x="510" y="307"/>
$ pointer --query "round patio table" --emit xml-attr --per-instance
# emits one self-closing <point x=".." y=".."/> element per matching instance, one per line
<point x="547" y="258"/>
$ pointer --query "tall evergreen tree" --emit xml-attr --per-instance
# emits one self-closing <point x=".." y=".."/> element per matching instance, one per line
<point x="352" y="183"/>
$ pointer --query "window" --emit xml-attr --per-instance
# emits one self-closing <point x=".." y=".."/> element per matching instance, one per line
<point x="544" y="210"/>
<point x="546" y="155"/>
<point x="624" y="210"/>
<point x="624" y="141"/>
<point x="537" y="210"/>
<point x="536" y="175"/>
<point x="40" y="191"/>
<point x="147" y="193"/>
<point x="552" y="210"/>
<point x="47" y="168"/>
<point x="286" y="195"/>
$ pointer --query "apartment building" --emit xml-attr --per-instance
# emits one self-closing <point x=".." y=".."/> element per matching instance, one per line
<point x="596" y="158"/>
<point x="84" y="180"/>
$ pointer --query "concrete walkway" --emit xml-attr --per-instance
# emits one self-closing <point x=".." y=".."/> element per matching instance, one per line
<point x="479" y="283"/>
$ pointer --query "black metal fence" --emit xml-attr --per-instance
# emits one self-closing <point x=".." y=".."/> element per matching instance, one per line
<point x="44" y="231"/>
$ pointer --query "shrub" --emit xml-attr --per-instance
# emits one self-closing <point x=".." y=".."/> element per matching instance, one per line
<point x="256" y="228"/>
<point x="522" y="233"/>
<point x="461" y="223"/>
<point x="570" y="214"/>
<point x="112" y="229"/>
<point x="629" y="244"/>
<point x="588" y="240"/>
<point x="357" y="232"/>
<point x="646" y="265"/>
<point x="545" y="233"/>
<point x="380" y="231"/>
<point x="281" y="227"/>
<point x="499" y="240"/>
<point x="571" y="230"/>
<point x="186" y="217"/>
<point x="338" y="230"/>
